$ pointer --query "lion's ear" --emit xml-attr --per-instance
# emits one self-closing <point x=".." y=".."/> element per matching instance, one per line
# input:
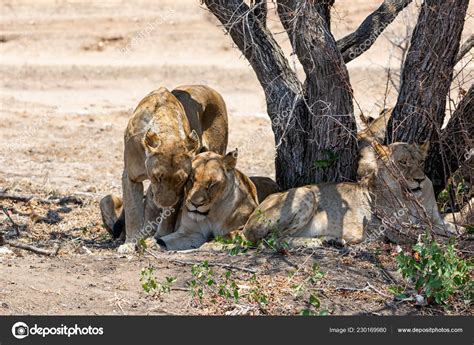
<point x="193" y="143"/>
<point x="381" y="150"/>
<point x="424" y="147"/>
<point x="230" y="159"/>
<point x="151" y="141"/>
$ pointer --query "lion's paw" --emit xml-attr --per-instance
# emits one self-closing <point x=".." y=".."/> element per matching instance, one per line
<point x="126" y="248"/>
<point x="151" y="243"/>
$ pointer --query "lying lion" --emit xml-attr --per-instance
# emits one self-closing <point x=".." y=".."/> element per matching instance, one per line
<point x="351" y="212"/>
<point x="166" y="130"/>
<point x="218" y="201"/>
<point x="375" y="128"/>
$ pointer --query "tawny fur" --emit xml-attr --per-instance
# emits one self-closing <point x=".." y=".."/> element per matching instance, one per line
<point x="218" y="201"/>
<point x="349" y="211"/>
<point x="375" y="130"/>
<point x="165" y="132"/>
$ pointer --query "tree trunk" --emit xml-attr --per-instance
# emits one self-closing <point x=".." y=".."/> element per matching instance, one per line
<point x="327" y="125"/>
<point x="427" y="74"/>
<point x="314" y="124"/>
<point x="455" y="144"/>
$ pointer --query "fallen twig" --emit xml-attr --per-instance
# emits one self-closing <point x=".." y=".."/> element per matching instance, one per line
<point x="367" y="287"/>
<point x="177" y="288"/>
<point x="388" y="274"/>
<point x="32" y="248"/>
<point x="117" y="300"/>
<point x="15" y="225"/>
<point x="28" y="198"/>
<point x="183" y="262"/>
<point x="44" y="291"/>
<point x="370" y="286"/>
<point x="23" y="198"/>
<point x="350" y="289"/>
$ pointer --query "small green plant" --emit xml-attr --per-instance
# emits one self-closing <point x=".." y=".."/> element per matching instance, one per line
<point x="331" y="158"/>
<point x="313" y="303"/>
<point x="223" y="288"/>
<point x="229" y="289"/>
<point x="437" y="271"/>
<point x="470" y="229"/>
<point x="148" y="279"/>
<point x="150" y="285"/>
<point x="236" y="245"/>
<point x="207" y="281"/>
<point x="257" y="293"/>
<point x="141" y="246"/>
<point x="203" y="276"/>
<point x="316" y="274"/>
<point x="276" y="243"/>
<point x="398" y="291"/>
<point x="459" y="190"/>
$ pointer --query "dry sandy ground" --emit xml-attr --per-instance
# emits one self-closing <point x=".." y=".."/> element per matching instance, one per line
<point x="72" y="71"/>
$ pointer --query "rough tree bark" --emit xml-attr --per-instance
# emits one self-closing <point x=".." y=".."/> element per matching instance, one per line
<point x="357" y="42"/>
<point x="327" y="121"/>
<point x="454" y="145"/>
<point x="314" y="125"/>
<point x="426" y="77"/>
<point x="281" y="86"/>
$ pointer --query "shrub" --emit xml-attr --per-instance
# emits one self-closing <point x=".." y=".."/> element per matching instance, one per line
<point x="437" y="271"/>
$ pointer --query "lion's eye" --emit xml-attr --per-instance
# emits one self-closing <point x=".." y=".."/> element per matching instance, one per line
<point x="210" y="185"/>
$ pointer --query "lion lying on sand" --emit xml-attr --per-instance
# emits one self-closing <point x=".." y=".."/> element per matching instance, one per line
<point x="396" y="190"/>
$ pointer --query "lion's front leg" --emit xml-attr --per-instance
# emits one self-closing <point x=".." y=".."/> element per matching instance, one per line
<point x="440" y="227"/>
<point x="158" y="222"/>
<point x="168" y="220"/>
<point x="134" y="212"/>
<point x="183" y="239"/>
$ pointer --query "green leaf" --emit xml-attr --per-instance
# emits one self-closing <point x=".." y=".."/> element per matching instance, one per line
<point x="314" y="301"/>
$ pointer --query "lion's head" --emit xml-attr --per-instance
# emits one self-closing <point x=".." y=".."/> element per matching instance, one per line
<point x="209" y="180"/>
<point x="404" y="158"/>
<point x="168" y="166"/>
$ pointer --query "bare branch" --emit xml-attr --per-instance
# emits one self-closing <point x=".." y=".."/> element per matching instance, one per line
<point x="356" y="43"/>
<point x="28" y="198"/>
<point x="258" y="46"/>
<point x="33" y="249"/>
<point x="465" y="48"/>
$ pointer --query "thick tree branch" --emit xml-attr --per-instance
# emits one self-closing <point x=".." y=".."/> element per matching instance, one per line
<point x="427" y="74"/>
<point x="307" y="25"/>
<point x="465" y="48"/>
<point x="356" y="43"/>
